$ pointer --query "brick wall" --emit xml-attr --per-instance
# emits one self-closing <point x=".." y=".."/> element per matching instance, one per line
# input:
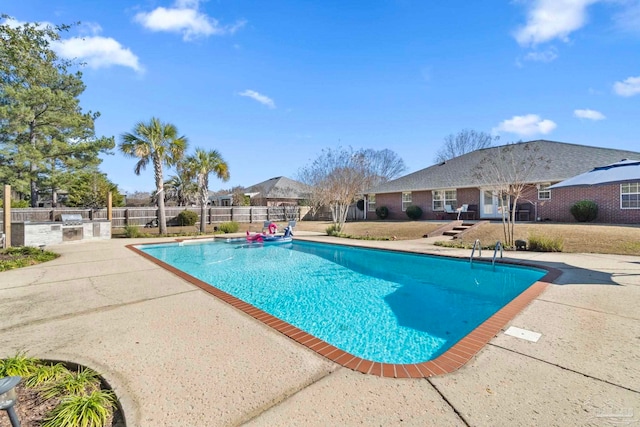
<point x="423" y="199"/>
<point x="557" y="209"/>
<point x="607" y="197"/>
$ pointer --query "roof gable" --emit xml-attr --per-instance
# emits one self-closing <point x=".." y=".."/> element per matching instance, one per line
<point x="280" y="187"/>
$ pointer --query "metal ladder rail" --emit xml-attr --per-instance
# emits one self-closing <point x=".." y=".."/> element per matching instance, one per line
<point x="479" y="246"/>
<point x="495" y="253"/>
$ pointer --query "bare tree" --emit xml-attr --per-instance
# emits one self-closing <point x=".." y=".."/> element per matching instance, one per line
<point x="384" y="165"/>
<point x="337" y="177"/>
<point x="508" y="170"/>
<point x="463" y="142"/>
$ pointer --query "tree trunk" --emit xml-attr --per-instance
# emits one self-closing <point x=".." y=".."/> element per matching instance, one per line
<point x="162" y="218"/>
<point x="33" y="187"/>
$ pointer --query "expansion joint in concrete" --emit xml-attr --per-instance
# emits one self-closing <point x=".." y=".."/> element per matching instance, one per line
<point x="565" y="368"/>
<point x="587" y="309"/>
<point x="453" y="408"/>
<point x="89" y="311"/>
<point x="278" y="400"/>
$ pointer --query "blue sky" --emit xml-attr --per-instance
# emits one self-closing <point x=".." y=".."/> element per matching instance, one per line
<point x="270" y="84"/>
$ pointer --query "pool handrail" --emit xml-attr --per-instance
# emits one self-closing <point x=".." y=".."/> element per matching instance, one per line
<point x="475" y="244"/>
<point x="495" y="252"/>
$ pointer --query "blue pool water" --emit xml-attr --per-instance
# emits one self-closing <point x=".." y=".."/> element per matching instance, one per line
<point x="382" y="306"/>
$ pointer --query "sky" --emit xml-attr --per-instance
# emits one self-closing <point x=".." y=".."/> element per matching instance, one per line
<point x="270" y="84"/>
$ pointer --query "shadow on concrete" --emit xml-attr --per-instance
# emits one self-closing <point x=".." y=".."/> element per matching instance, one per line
<point x="572" y="275"/>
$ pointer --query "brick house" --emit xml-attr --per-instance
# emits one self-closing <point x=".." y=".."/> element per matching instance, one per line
<point x="462" y="181"/>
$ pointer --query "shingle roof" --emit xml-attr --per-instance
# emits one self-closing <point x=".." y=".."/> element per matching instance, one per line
<point x="564" y="161"/>
<point x="280" y="187"/>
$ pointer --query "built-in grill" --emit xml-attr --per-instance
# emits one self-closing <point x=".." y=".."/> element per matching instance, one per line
<point x="71" y="219"/>
<point x="71" y="227"/>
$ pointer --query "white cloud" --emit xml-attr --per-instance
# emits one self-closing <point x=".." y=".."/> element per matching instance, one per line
<point x="547" y="55"/>
<point x="185" y="18"/>
<point x="628" y="19"/>
<point x="589" y="114"/>
<point x="262" y="99"/>
<point x="527" y="125"/>
<point x="97" y="52"/>
<point x="628" y="87"/>
<point x="14" y="23"/>
<point x="551" y="19"/>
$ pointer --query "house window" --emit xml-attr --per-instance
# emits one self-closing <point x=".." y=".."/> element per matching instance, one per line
<point x="371" y="202"/>
<point x="630" y="195"/>
<point x="543" y="192"/>
<point x="406" y="200"/>
<point x="444" y="197"/>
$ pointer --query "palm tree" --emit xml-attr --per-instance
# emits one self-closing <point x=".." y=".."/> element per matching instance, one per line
<point x="203" y="163"/>
<point x="181" y="187"/>
<point x="160" y="144"/>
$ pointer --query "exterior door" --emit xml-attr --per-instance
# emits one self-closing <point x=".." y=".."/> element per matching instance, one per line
<point x="490" y="204"/>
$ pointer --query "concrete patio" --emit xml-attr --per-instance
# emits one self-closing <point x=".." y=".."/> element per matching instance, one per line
<point x="178" y="356"/>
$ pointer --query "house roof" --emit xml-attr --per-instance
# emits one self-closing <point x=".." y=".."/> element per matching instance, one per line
<point x="280" y="187"/>
<point x="562" y="161"/>
<point x="626" y="170"/>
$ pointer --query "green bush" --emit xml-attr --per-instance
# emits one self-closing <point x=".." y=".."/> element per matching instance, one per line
<point x="334" y="230"/>
<point x="16" y="203"/>
<point x="91" y="410"/>
<point x="229" y="227"/>
<point x="18" y="365"/>
<point x="414" y="212"/>
<point x="382" y="212"/>
<point x="584" y="211"/>
<point x="187" y="218"/>
<point x="539" y="243"/>
<point x="131" y="231"/>
<point x="23" y="256"/>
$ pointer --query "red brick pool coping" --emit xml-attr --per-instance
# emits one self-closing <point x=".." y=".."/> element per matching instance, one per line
<point x="451" y="360"/>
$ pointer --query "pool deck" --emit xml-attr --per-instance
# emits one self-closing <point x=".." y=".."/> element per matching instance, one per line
<point x="176" y="355"/>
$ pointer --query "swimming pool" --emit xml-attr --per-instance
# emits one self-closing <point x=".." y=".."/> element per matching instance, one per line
<point x="376" y="305"/>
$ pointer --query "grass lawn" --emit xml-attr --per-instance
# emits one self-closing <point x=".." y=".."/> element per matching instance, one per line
<point x="577" y="238"/>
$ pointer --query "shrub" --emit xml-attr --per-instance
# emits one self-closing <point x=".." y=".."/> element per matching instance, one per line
<point x="92" y="410"/>
<point x="72" y="383"/>
<point x="46" y="374"/>
<point x="334" y="230"/>
<point x="187" y="218"/>
<point x="131" y="231"/>
<point x="545" y="244"/>
<point x="584" y="211"/>
<point x="229" y="227"/>
<point x="414" y="212"/>
<point x="18" y="365"/>
<point x="16" y="203"/>
<point x="382" y="212"/>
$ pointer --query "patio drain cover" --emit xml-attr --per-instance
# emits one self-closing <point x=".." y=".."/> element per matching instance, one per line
<point x="523" y="334"/>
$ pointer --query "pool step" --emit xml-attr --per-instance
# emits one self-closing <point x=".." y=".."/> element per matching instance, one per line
<point x="454" y="229"/>
<point x="458" y="229"/>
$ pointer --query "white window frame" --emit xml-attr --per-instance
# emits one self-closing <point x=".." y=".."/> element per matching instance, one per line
<point x="543" y="190"/>
<point x="371" y="202"/>
<point x="633" y="189"/>
<point x="406" y="200"/>
<point x="444" y="197"/>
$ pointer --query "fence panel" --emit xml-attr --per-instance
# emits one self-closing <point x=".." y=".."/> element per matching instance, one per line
<point x="122" y="217"/>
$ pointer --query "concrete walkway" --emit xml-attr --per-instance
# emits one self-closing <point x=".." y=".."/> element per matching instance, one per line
<point x="177" y="356"/>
